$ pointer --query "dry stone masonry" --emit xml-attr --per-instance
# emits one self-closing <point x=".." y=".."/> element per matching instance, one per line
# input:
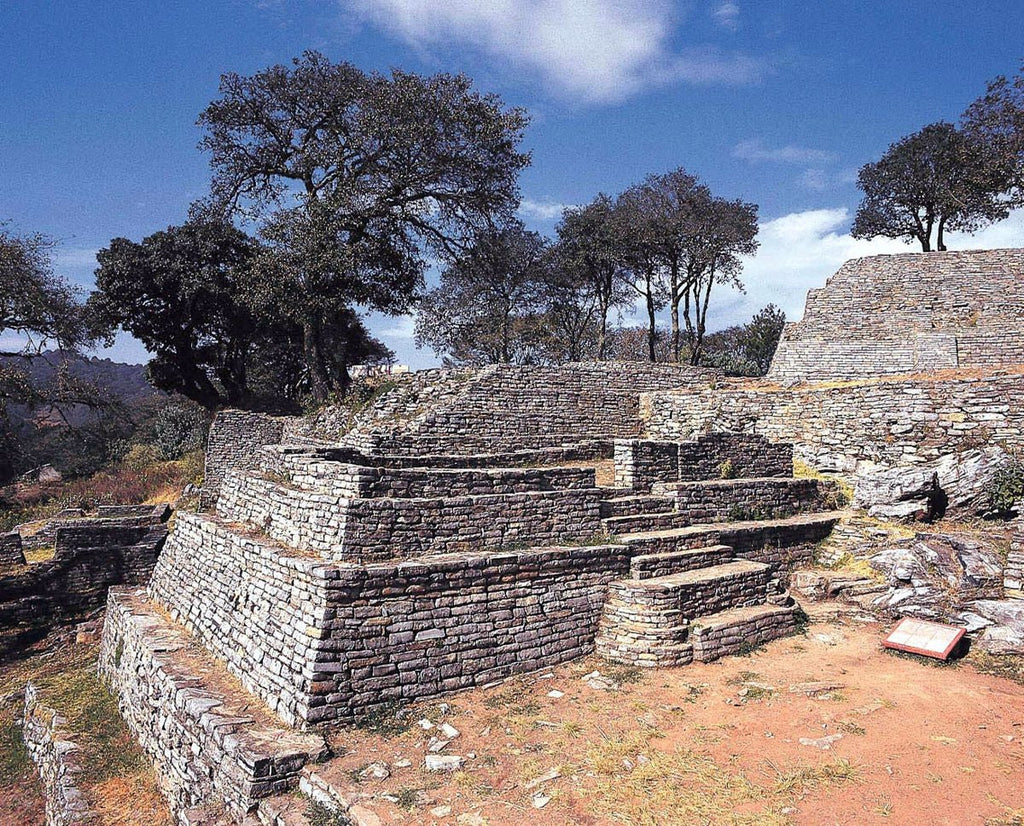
<point x="90" y="555"/>
<point x="456" y="548"/>
<point x="908" y="313"/>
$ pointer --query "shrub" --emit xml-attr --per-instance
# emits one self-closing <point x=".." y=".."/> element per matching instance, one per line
<point x="179" y="429"/>
<point x="1007" y="487"/>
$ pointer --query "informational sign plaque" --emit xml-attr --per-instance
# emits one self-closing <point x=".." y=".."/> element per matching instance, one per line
<point x="929" y="639"/>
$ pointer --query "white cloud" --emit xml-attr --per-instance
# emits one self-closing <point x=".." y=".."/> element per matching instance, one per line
<point x="541" y="210"/>
<point x="756" y="152"/>
<point x="727" y="15"/>
<point x="599" y="51"/>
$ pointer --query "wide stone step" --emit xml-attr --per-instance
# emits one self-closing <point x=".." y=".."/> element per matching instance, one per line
<point x="648" y="566"/>
<point x="634" y="505"/>
<point x="732" y="500"/>
<point x="213" y="744"/>
<point x="697" y="592"/>
<point x="779" y="542"/>
<point x="739" y="630"/>
<point x="633" y="523"/>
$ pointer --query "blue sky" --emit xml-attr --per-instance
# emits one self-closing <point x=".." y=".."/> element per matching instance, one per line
<point x="774" y="102"/>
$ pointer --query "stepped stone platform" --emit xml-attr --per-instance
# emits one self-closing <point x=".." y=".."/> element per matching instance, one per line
<point x="327" y="582"/>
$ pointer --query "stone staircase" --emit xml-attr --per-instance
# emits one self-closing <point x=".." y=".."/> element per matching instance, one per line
<point x="708" y="559"/>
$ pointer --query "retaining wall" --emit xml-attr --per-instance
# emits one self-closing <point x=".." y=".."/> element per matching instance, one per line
<point x="58" y="760"/>
<point x="329" y="642"/>
<point x="838" y="426"/>
<point x="90" y="556"/>
<point x="386" y="528"/>
<point x="641" y="463"/>
<point x="234" y="441"/>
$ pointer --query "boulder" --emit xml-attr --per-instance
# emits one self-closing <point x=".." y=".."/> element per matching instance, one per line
<point x="1005" y="635"/>
<point x="923" y="492"/>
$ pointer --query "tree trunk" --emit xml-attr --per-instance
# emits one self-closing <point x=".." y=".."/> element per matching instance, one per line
<point x="940" y="243"/>
<point x="319" y="381"/>
<point x="651" y="330"/>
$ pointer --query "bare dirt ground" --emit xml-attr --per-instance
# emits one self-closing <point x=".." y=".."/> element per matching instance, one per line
<point x="882" y="739"/>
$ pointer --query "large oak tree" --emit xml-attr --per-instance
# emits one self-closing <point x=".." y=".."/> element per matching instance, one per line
<point x="355" y="178"/>
<point x="933" y="181"/>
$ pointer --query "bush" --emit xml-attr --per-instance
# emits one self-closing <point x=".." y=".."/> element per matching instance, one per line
<point x="179" y="429"/>
<point x="1007" y="487"/>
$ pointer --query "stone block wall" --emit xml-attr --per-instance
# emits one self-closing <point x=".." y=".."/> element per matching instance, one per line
<point x="58" y="761"/>
<point x="207" y="749"/>
<point x="90" y="556"/>
<point x="11" y="551"/>
<point x="739" y="500"/>
<point x="324" y="642"/>
<point x="505" y="408"/>
<point x="643" y="463"/>
<point x="234" y="441"/>
<point x="839" y="426"/>
<point x="386" y="528"/>
<point x="891" y="314"/>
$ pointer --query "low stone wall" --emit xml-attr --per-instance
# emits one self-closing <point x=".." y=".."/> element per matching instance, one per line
<point x="838" y="426"/>
<point x="643" y="463"/>
<point x="504" y="408"/>
<point x="359" y="481"/>
<point x="734" y="500"/>
<point x="58" y="760"/>
<point x="329" y="642"/>
<point x="11" y="552"/>
<point x="387" y="528"/>
<point x="235" y="439"/>
<point x="90" y="556"/>
<point x="207" y="750"/>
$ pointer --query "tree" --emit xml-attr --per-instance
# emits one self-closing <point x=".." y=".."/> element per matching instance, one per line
<point x="590" y="256"/>
<point x="39" y="312"/>
<point x="187" y="293"/>
<point x="636" y="237"/>
<point x="936" y="180"/>
<point x="489" y="306"/>
<point x="718" y="235"/>
<point x="746" y="349"/>
<point x="996" y="119"/>
<point x="355" y="177"/>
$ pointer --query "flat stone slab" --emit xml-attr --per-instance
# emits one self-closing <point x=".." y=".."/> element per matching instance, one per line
<point x="929" y="639"/>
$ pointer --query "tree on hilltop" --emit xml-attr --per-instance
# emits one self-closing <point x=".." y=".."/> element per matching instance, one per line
<point x="933" y="181"/>
<point x="354" y="178"/>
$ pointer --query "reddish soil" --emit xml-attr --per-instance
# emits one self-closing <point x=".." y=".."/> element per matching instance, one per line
<point x="720" y="743"/>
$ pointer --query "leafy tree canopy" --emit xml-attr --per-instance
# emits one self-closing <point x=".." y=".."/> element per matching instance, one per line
<point x="488" y="308"/>
<point x="936" y="180"/>
<point x="997" y="120"/>
<point x="354" y="177"/>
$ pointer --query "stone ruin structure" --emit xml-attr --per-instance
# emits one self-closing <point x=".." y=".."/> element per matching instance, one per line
<point x="84" y="554"/>
<point x="447" y="540"/>
<point x="891" y="314"/>
<point x="475" y="524"/>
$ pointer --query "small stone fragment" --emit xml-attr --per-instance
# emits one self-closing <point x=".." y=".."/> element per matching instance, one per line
<point x="443" y="762"/>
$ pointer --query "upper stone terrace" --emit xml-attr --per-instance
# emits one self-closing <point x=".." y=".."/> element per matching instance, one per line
<point x="890" y="314"/>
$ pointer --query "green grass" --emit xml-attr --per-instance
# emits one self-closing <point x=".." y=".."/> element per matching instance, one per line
<point x="14" y="759"/>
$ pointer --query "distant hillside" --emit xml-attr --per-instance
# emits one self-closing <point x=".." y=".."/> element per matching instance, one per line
<point x="122" y="382"/>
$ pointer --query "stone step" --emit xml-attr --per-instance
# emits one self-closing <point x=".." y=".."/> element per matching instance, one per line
<point x="691" y="593"/>
<point x="647" y="521"/>
<point x="733" y="500"/>
<point x="739" y="630"/>
<point x="213" y="744"/>
<point x="634" y="505"/>
<point x="648" y="566"/>
<point x="779" y="542"/>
